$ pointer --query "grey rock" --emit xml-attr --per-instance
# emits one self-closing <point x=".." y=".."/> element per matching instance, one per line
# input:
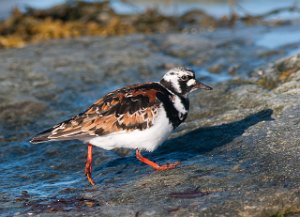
<point x="239" y="147"/>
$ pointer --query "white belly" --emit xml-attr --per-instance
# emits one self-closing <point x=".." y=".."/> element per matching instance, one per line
<point x="147" y="139"/>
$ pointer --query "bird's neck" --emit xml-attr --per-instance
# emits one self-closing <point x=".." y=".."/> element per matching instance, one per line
<point x="180" y="101"/>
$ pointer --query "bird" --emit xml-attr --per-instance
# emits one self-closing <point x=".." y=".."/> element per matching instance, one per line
<point x="139" y="117"/>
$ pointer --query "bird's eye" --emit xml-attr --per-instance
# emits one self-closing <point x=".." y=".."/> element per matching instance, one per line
<point x="184" y="77"/>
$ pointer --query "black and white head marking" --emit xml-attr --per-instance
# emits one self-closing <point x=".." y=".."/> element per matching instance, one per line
<point x="180" y="81"/>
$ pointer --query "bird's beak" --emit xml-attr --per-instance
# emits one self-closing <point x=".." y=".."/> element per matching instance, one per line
<point x="200" y="85"/>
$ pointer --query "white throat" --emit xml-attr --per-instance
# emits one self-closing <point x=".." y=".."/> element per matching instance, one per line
<point x="179" y="106"/>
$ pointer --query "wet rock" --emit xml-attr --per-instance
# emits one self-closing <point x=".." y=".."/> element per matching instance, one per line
<point x="20" y="112"/>
<point x="50" y="75"/>
<point x="233" y="69"/>
<point x="279" y="73"/>
<point x="241" y="160"/>
<point x="200" y="18"/>
<point x="216" y="68"/>
<point x="239" y="147"/>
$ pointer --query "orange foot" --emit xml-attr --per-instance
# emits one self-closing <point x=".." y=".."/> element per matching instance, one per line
<point x="154" y="165"/>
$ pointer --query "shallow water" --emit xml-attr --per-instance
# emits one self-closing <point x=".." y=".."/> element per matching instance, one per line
<point x="217" y="8"/>
<point x="175" y="7"/>
<point x="279" y="37"/>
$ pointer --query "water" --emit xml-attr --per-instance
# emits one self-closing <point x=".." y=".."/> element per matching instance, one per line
<point x="210" y="77"/>
<point x="217" y="8"/>
<point x="176" y="7"/>
<point x="7" y="5"/>
<point x="279" y="37"/>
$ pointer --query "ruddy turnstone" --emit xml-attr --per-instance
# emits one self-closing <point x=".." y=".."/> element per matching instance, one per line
<point x="139" y="117"/>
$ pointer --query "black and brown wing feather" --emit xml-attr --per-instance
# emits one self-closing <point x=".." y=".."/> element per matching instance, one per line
<point x="130" y="108"/>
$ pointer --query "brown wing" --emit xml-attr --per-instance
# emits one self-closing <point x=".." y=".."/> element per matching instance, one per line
<point x="125" y="109"/>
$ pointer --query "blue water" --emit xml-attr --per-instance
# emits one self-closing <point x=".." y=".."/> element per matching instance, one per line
<point x="216" y="8"/>
<point x="176" y="7"/>
<point x="279" y="37"/>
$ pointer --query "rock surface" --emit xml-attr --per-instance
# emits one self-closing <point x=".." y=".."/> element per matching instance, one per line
<point x="239" y="147"/>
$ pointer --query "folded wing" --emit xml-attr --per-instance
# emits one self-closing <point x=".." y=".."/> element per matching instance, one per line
<point x="126" y="109"/>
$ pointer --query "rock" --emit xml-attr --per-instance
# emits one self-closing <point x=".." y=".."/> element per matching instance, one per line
<point x="239" y="159"/>
<point x="216" y="69"/>
<point x="239" y="147"/>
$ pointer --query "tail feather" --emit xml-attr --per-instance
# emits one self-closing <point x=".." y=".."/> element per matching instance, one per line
<point x="60" y="132"/>
<point x="41" y="137"/>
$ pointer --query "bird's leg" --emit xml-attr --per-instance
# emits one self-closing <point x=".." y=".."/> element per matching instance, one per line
<point x="88" y="165"/>
<point x="154" y="165"/>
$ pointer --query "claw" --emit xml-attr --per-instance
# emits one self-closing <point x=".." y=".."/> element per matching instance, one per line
<point x="168" y="166"/>
<point x="154" y="165"/>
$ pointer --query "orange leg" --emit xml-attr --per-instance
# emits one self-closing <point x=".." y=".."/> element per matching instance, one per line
<point x="154" y="165"/>
<point x="88" y="165"/>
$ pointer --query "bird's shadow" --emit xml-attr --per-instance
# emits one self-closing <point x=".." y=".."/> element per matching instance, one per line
<point x="206" y="139"/>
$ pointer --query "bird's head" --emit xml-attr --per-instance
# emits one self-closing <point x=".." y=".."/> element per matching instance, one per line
<point x="182" y="81"/>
